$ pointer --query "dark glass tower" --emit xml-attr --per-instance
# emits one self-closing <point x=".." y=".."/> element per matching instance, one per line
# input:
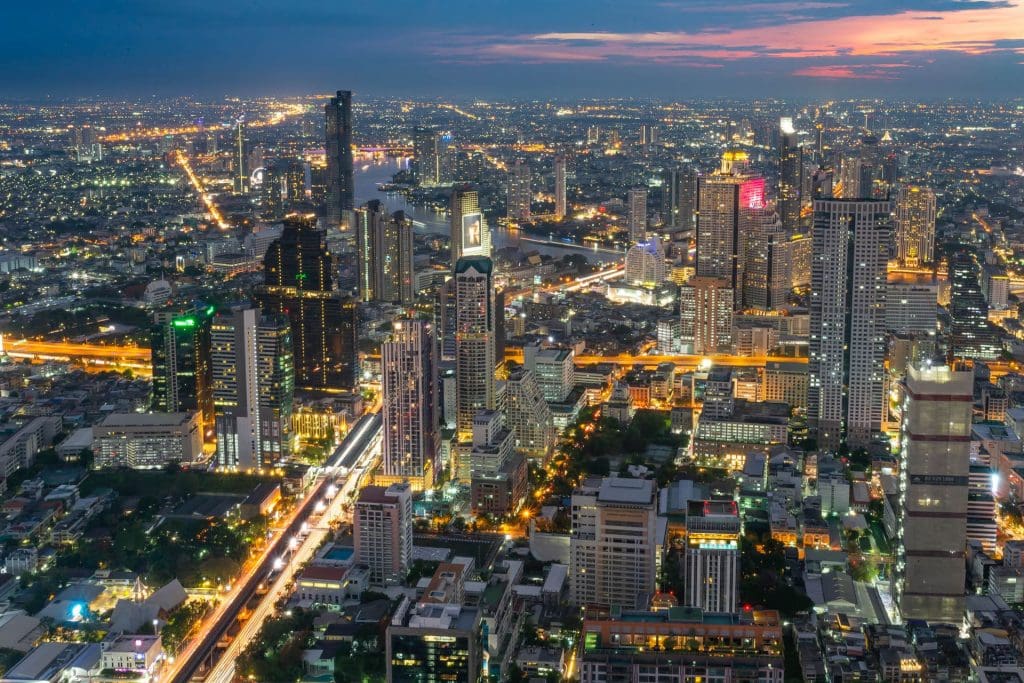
<point x="180" y="343"/>
<point x="791" y="167"/>
<point x="298" y="283"/>
<point x="340" y="182"/>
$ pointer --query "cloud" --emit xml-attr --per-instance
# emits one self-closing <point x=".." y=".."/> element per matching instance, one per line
<point x="968" y="27"/>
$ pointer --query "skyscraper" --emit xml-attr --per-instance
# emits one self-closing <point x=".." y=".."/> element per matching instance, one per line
<point x="612" y="545"/>
<point x="847" y="344"/>
<point x="712" y="556"/>
<point x="341" y="194"/>
<point x="560" y="203"/>
<point x="915" y="225"/>
<point x="298" y="277"/>
<point x="275" y="379"/>
<point x="470" y="235"/>
<point x="384" y="244"/>
<point x="272" y="192"/>
<point x="409" y="391"/>
<point x="728" y="200"/>
<point x="233" y="355"/>
<point x="180" y="344"/>
<point x="241" y="159"/>
<point x="791" y="166"/>
<point x="705" y="308"/>
<point x="645" y="263"/>
<point x="636" y="217"/>
<point x="934" y="472"/>
<point x="679" y="198"/>
<point x="519" y="192"/>
<point x="971" y="335"/>
<point x="474" y="341"/>
<point x="528" y="415"/>
<point x="433" y="156"/>
<point x="767" y="270"/>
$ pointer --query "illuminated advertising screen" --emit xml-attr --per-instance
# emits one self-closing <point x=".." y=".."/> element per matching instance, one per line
<point x="472" y="232"/>
<point x="752" y="194"/>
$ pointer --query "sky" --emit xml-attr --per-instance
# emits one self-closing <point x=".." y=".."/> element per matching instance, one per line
<point x="665" y="49"/>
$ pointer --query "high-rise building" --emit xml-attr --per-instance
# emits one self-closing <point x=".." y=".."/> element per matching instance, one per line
<point x="915" y="225"/>
<point x="474" y="341"/>
<point x="519" y="192"/>
<point x="412" y="440"/>
<point x="341" y="193"/>
<point x="636" y="214"/>
<point x="553" y="368"/>
<point x="934" y="472"/>
<point x="848" y="298"/>
<point x="971" y="335"/>
<point x="705" y="312"/>
<point x="728" y="201"/>
<point x="560" y="202"/>
<point x="241" y="159"/>
<point x="645" y="263"/>
<point x="429" y="641"/>
<point x="712" y="556"/>
<point x="384" y="245"/>
<point x="382" y="531"/>
<point x="298" y="277"/>
<point x="433" y="156"/>
<point x="180" y="344"/>
<point x="791" y="166"/>
<point x="613" y="545"/>
<point x="272" y="192"/>
<point x="470" y="234"/>
<point x="233" y="356"/>
<point x="679" y="198"/>
<point x="528" y="415"/>
<point x="767" y="269"/>
<point x="275" y="379"/>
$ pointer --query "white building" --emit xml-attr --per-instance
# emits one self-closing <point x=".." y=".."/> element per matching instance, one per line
<point x="382" y="531"/>
<point x="146" y="440"/>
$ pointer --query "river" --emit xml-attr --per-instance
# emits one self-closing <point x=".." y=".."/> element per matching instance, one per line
<point x="368" y="173"/>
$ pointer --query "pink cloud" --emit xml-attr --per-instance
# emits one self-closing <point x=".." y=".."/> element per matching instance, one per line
<point x="976" y="31"/>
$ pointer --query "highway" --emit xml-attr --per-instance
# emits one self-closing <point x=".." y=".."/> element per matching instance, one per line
<point x="94" y="357"/>
<point x="197" y="185"/>
<point x="292" y="545"/>
<point x="682" y="360"/>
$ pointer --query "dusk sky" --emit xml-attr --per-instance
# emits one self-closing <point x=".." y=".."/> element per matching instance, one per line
<point x="669" y="49"/>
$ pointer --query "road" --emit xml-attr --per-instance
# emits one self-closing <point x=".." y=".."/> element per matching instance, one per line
<point x="682" y="360"/>
<point x="287" y="549"/>
<point x="197" y="185"/>
<point x="98" y="357"/>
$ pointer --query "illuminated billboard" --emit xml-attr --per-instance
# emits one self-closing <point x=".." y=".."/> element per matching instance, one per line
<point x="472" y="233"/>
<point x="752" y="194"/>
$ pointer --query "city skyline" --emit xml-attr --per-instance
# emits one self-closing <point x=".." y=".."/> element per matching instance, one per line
<point x="756" y="48"/>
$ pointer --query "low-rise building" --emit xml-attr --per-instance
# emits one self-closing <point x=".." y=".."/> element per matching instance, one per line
<point x="146" y="440"/>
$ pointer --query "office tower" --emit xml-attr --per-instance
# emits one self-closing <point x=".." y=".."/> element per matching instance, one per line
<point x="445" y="316"/>
<point x="426" y="155"/>
<point x="728" y="199"/>
<point x="712" y="556"/>
<point x="848" y="298"/>
<point x="499" y="330"/>
<point x="971" y="336"/>
<point x="272" y="192"/>
<point x="474" y="341"/>
<point x="428" y="641"/>
<point x="295" y="182"/>
<point x="679" y="198"/>
<point x="911" y="303"/>
<point x="995" y="285"/>
<point x="412" y="440"/>
<point x="636" y="218"/>
<point x="180" y="344"/>
<point x="298" y="282"/>
<point x="645" y="263"/>
<point x="915" y="225"/>
<point x="382" y="531"/>
<point x="470" y="235"/>
<point x="705" y="308"/>
<point x="553" y="368"/>
<point x="241" y="159"/>
<point x="497" y="472"/>
<point x="275" y="383"/>
<point x="384" y="245"/>
<point x="767" y="269"/>
<point x="934" y="470"/>
<point x="560" y="204"/>
<point x="528" y="415"/>
<point x="233" y="360"/>
<point x="613" y="544"/>
<point x="341" y="194"/>
<point x="519" y="193"/>
<point x="791" y="166"/>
